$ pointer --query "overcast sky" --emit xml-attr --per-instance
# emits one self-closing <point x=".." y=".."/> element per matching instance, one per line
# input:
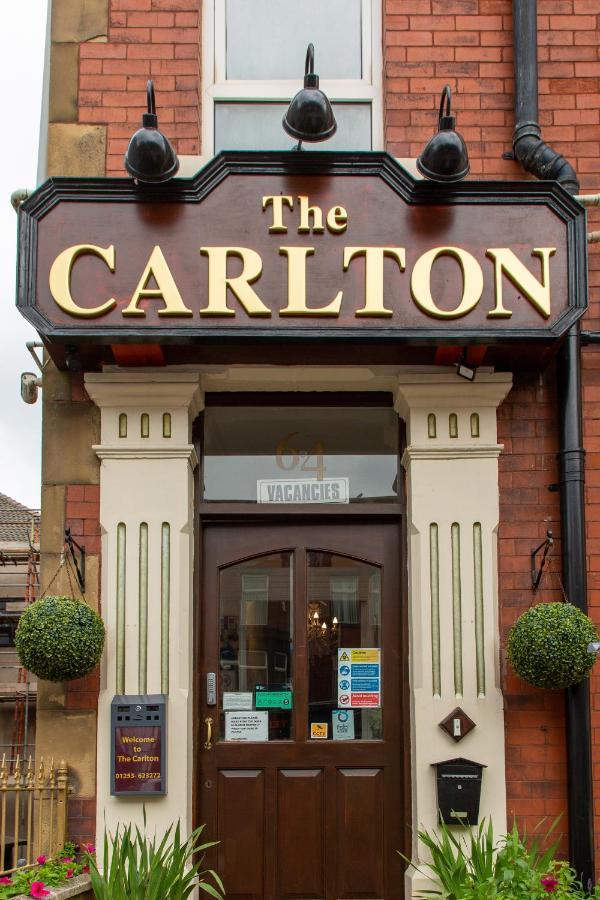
<point x="22" y="40"/>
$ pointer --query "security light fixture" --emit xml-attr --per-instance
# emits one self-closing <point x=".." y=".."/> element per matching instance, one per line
<point x="310" y="116"/>
<point x="30" y="383"/>
<point x="445" y="157"/>
<point x="150" y="157"/>
<point x="464" y="370"/>
<point x="593" y="647"/>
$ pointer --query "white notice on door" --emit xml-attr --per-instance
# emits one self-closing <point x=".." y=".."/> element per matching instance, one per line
<point x="247" y="726"/>
<point x="238" y="700"/>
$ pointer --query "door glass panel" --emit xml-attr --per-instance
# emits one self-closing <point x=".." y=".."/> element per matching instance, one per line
<point x="301" y="454"/>
<point x="255" y="649"/>
<point x="344" y="648"/>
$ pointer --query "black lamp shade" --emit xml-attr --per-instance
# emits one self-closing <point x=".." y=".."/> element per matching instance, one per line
<point x="310" y="116"/>
<point x="150" y="158"/>
<point x="445" y="156"/>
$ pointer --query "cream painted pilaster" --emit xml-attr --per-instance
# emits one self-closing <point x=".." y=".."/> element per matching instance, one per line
<point x="146" y="515"/>
<point x="451" y="463"/>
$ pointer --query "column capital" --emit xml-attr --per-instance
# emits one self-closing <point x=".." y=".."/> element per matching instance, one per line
<point x="146" y="388"/>
<point x="447" y="390"/>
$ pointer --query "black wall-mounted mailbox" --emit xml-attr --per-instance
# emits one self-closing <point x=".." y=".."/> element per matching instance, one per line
<point x="138" y="764"/>
<point x="458" y="791"/>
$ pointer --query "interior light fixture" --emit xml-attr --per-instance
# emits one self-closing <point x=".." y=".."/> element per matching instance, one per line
<point x="445" y="156"/>
<point x="150" y="158"/>
<point x="309" y="116"/>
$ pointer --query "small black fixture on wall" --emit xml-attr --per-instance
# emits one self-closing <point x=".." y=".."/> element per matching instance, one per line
<point x="309" y="116"/>
<point x="150" y="158"/>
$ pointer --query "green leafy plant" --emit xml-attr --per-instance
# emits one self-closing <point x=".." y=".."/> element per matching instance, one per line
<point x="547" y="645"/>
<point x="36" y="881"/>
<point x="136" y="868"/>
<point x="477" y="867"/>
<point x="59" y="638"/>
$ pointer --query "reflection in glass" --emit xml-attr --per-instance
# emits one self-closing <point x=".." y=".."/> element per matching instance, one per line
<point x="281" y="31"/>
<point x="244" y="125"/>
<point x="304" y="445"/>
<point x="344" y="611"/>
<point x="255" y="657"/>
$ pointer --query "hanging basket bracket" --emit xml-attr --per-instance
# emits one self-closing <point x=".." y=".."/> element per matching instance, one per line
<point x="78" y="558"/>
<point x="536" y="574"/>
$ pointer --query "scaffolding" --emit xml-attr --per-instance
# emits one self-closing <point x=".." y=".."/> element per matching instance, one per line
<point x="19" y="584"/>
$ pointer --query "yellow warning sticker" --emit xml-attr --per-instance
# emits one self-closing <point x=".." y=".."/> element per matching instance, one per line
<point x="318" y="731"/>
<point x="365" y="655"/>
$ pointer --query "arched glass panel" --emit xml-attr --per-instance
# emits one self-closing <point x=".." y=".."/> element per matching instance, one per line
<point x="344" y="648"/>
<point x="255" y="655"/>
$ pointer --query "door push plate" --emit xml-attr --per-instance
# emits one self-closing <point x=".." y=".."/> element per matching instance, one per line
<point x="211" y="689"/>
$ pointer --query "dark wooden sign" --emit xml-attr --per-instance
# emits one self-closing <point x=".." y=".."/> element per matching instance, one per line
<point x="307" y="245"/>
<point x="138" y="755"/>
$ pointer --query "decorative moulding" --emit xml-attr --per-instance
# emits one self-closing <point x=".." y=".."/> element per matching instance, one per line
<point x="451" y="451"/>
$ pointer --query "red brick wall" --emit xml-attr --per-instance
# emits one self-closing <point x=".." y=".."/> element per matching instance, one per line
<point x="534" y="720"/>
<point x="156" y="39"/>
<point x="468" y="45"/>
<point x="82" y="516"/>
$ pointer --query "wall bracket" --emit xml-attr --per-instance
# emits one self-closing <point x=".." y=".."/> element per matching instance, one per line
<point x="536" y="574"/>
<point x="78" y="559"/>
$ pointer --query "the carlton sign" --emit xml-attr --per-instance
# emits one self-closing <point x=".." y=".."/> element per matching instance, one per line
<point x="307" y="244"/>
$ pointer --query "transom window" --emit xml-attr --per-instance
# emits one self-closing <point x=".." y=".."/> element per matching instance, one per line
<point x="254" y="56"/>
<point x="300" y="454"/>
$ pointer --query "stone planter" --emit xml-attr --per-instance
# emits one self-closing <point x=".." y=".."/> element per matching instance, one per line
<point x="77" y="887"/>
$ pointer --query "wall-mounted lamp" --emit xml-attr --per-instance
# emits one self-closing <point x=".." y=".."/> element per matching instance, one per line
<point x="310" y="116"/>
<point x="30" y="382"/>
<point x="445" y="157"/>
<point x="150" y="157"/>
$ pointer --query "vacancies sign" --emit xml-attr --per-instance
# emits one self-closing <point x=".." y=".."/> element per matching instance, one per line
<point x="301" y="244"/>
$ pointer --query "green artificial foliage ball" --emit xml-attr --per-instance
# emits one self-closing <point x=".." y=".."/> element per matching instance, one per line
<point x="59" y="638"/>
<point x="547" y="645"/>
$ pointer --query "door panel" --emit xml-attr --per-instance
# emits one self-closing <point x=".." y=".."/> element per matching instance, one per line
<point x="301" y="816"/>
<point x="360" y="837"/>
<point x="300" y="827"/>
<point x="241" y="815"/>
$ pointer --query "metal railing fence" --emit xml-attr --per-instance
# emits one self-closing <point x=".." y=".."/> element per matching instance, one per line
<point x="33" y="812"/>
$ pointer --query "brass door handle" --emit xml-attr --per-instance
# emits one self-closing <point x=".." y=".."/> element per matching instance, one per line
<point x="208" y="741"/>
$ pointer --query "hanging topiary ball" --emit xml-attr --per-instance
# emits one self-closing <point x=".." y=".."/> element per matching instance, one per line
<point x="59" y="638"/>
<point x="547" y="645"/>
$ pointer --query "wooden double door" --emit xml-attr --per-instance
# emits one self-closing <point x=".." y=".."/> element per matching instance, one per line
<point x="301" y="738"/>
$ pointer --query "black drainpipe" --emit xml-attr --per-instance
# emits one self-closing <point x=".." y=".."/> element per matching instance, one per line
<point x="542" y="161"/>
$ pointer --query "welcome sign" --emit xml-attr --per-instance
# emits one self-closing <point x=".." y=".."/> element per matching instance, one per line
<point x="301" y="244"/>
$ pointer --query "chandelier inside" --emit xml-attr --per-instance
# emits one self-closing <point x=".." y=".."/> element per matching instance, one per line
<point x="318" y="628"/>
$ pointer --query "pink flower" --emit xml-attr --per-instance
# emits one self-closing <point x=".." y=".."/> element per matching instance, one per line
<point x="70" y="873"/>
<point x="85" y="870"/>
<point x="549" y="883"/>
<point x="66" y="859"/>
<point x="5" y="880"/>
<point x="88" y="848"/>
<point x="38" y="890"/>
<point x="41" y="860"/>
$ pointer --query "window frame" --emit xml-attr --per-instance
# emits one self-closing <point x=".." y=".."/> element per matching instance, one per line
<point x="216" y="88"/>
